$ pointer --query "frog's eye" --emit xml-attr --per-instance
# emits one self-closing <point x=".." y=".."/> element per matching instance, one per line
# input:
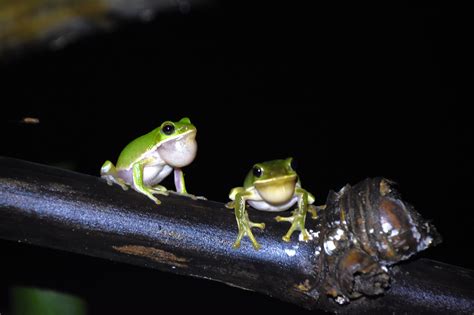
<point x="168" y="129"/>
<point x="293" y="164"/>
<point x="257" y="171"/>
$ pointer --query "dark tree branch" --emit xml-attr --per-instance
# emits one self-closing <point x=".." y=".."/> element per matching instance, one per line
<point x="364" y="230"/>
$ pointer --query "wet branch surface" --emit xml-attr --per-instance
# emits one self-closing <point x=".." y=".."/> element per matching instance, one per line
<point x="350" y="265"/>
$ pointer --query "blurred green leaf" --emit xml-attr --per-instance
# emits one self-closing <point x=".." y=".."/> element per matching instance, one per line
<point x="35" y="301"/>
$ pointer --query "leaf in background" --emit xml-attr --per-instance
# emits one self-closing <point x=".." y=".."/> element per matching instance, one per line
<point x="35" y="301"/>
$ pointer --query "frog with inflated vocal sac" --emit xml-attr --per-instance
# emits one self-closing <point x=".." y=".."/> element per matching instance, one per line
<point x="147" y="160"/>
<point x="272" y="186"/>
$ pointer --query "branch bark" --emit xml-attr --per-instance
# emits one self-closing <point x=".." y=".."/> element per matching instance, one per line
<point x="348" y="266"/>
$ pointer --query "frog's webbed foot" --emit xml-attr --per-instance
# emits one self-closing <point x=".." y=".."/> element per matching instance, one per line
<point x="159" y="190"/>
<point x="297" y="220"/>
<point x="245" y="228"/>
<point x="139" y="186"/>
<point x="186" y="194"/>
<point x="298" y="217"/>
<point x="194" y="197"/>
<point x="230" y="205"/>
<point x="109" y="173"/>
<point x="115" y="180"/>
<point x="314" y="210"/>
<point x="150" y="192"/>
<point x="155" y="190"/>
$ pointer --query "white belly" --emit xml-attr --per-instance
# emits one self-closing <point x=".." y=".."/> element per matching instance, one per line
<point x="154" y="174"/>
<point x="265" y="206"/>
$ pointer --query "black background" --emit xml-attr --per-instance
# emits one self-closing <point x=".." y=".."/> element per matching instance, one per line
<point x="350" y="92"/>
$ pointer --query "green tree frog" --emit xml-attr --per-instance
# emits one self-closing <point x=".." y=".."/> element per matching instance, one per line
<point x="271" y="186"/>
<point x="147" y="160"/>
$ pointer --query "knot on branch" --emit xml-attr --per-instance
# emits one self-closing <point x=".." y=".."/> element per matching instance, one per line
<point x="365" y="228"/>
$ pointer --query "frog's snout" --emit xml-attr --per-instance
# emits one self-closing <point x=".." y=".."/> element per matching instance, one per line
<point x="188" y="130"/>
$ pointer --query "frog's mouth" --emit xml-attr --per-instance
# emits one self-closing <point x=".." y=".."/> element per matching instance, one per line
<point x="277" y="190"/>
<point x="180" y="151"/>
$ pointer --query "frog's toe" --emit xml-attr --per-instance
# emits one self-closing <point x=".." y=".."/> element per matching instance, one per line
<point x="193" y="197"/>
<point x="297" y="224"/>
<point x="149" y="193"/>
<point x="245" y="229"/>
<point x="157" y="201"/>
<point x="111" y="179"/>
<point x="185" y="194"/>
<point x="287" y="236"/>
<point x="304" y="235"/>
<point x="322" y="207"/>
<point x="256" y="245"/>
<point x="257" y="225"/>
<point x="158" y="190"/>
<point x="238" y="240"/>
<point x="284" y="219"/>
<point x="313" y="211"/>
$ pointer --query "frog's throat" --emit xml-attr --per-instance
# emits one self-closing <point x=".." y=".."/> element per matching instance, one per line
<point x="179" y="151"/>
<point x="277" y="190"/>
<point x="191" y="134"/>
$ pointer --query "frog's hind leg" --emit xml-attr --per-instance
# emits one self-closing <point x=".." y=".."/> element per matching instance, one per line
<point x="141" y="187"/>
<point x="109" y="173"/>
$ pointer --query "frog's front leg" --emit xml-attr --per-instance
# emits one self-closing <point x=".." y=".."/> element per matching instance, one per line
<point x="180" y="185"/>
<point x="243" y="222"/>
<point x="140" y="186"/>
<point x="179" y="181"/>
<point x="298" y="218"/>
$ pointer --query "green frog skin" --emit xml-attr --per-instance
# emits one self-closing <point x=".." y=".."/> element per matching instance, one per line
<point x="147" y="160"/>
<point x="271" y="186"/>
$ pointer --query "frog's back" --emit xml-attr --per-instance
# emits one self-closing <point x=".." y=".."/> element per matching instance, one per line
<point x="132" y="152"/>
